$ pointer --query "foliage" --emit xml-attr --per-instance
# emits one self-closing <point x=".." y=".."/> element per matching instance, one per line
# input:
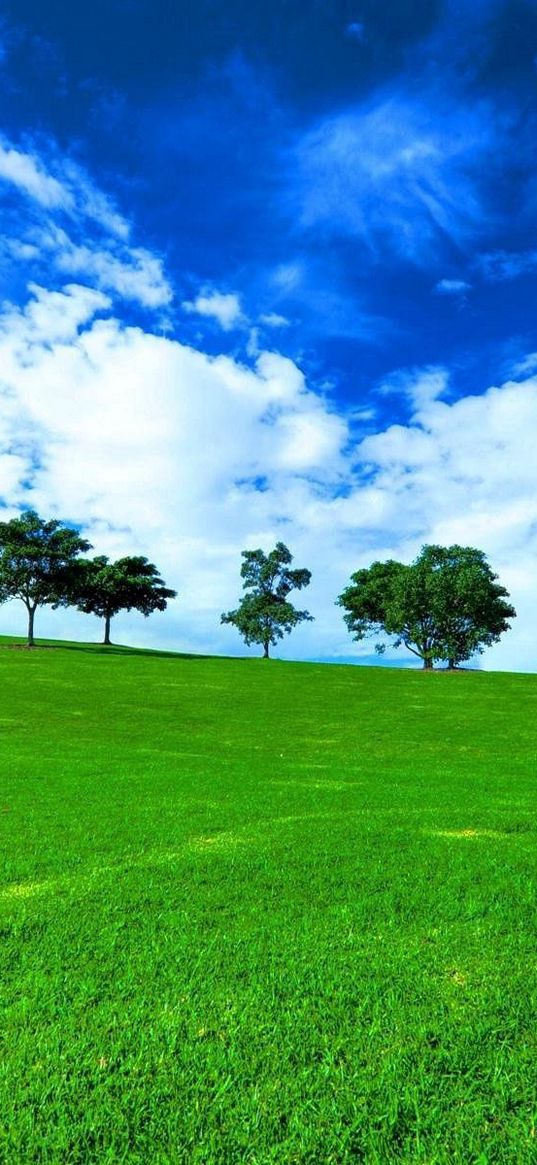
<point x="265" y="917"/>
<point x="129" y="583"/>
<point x="447" y="605"/>
<point x="39" y="562"/>
<point x="265" y="615"/>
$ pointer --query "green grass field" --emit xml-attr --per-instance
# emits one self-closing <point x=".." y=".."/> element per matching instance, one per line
<point x="265" y="912"/>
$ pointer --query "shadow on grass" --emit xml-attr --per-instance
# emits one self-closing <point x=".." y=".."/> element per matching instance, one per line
<point x="13" y="642"/>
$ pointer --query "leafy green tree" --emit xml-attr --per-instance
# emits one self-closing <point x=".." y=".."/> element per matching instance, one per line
<point x="264" y="614"/>
<point x="447" y="605"/>
<point x="131" y="583"/>
<point x="39" y="563"/>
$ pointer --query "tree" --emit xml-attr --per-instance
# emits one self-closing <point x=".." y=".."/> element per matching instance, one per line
<point x="264" y="615"/>
<point x="130" y="583"/>
<point x="447" y="605"/>
<point x="39" y="563"/>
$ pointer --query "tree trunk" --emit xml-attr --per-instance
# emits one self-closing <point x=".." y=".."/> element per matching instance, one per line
<point x="31" y="614"/>
<point x="266" y="649"/>
<point x="428" y="664"/>
<point x="107" y="641"/>
<point x="451" y="664"/>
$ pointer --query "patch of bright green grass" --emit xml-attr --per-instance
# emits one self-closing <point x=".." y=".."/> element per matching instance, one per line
<point x="265" y="913"/>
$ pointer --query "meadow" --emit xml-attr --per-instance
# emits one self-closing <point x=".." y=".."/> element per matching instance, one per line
<point x="265" y="913"/>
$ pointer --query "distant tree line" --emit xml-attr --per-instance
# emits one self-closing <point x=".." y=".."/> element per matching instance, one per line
<point x="446" y="606"/>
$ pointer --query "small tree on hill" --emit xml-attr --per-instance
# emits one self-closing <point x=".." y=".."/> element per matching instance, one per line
<point x="131" y="583"/>
<point x="264" y="615"/>
<point x="447" y="605"/>
<point x="39" y="563"/>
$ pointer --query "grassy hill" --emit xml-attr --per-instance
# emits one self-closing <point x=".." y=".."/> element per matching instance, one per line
<point x="265" y="912"/>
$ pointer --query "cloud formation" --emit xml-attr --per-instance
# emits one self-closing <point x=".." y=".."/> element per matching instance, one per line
<point x="132" y="272"/>
<point x="225" y="308"/>
<point x="499" y="266"/>
<point x="28" y="174"/>
<point x="59" y="184"/>
<point x="54" y="229"/>
<point x="452" y="287"/>
<point x="398" y="174"/>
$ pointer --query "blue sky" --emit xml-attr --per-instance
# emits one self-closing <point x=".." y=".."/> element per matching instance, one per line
<point x="315" y="223"/>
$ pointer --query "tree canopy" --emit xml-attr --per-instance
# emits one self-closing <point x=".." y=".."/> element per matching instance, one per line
<point x="130" y="583"/>
<point x="264" y="614"/>
<point x="39" y="563"/>
<point x="446" y="605"/>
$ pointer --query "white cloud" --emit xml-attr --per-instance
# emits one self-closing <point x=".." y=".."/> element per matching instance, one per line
<point x="93" y="203"/>
<point x="396" y="173"/>
<point x="66" y="187"/>
<point x="49" y="317"/>
<point x="132" y="272"/>
<point x="272" y="319"/>
<point x="68" y="197"/>
<point x="288" y="276"/>
<point x="452" y="287"/>
<point x="20" y="250"/>
<point x="420" y="385"/>
<point x="525" y="366"/>
<point x="224" y="308"/>
<point x="29" y="175"/>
